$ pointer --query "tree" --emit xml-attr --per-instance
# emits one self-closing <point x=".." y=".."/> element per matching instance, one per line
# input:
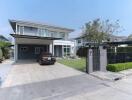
<point x="99" y="31"/>
<point x="5" y="48"/>
<point x="129" y="37"/>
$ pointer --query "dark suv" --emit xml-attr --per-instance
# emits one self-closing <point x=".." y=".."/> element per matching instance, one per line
<point x="46" y="58"/>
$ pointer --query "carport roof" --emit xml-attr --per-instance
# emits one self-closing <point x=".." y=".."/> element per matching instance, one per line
<point x="34" y="37"/>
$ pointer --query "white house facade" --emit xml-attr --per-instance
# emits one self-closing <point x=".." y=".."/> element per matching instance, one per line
<point x="31" y="38"/>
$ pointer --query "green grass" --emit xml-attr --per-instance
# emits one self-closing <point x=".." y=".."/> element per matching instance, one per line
<point x="78" y="64"/>
<point x="119" y="66"/>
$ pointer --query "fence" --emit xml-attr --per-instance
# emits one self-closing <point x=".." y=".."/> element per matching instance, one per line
<point x="119" y="54"/>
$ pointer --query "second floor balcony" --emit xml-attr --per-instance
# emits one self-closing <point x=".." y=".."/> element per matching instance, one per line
<point x="32" y="31"/>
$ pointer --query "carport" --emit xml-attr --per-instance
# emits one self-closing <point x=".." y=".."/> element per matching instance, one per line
<point x="29" y="47"/>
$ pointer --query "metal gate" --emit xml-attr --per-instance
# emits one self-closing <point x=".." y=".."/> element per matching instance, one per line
<point x="96" y="59"/>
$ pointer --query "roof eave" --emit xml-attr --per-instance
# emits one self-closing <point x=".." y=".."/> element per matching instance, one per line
<point x="39" y="24"/>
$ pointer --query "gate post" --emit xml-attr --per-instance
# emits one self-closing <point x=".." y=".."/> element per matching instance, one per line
<point x="89" y="62"/>
<point x="103" y="58"/>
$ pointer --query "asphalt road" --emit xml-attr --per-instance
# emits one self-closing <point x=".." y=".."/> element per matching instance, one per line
<point x="78" y="87"/>
<point x="57" y="89"/>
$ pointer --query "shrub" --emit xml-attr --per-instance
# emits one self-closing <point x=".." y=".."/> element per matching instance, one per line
<point x="5" y="49"/>
<point x="119" y="66"/>
<point x="82" y="52"/>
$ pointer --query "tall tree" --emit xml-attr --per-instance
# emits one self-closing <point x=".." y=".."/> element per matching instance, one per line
<point x="129" y="37"/>
<point x="99" y="31"/>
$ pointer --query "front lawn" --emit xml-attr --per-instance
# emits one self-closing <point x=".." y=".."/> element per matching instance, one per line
<point x="79" y="64"/>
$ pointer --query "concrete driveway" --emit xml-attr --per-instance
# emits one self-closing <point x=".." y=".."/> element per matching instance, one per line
<point x="30" y="81"/>
<point x="5" y="67"/>
<point x="25" y="72"/>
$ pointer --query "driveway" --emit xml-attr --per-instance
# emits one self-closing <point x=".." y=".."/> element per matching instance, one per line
<point x="5" y="67"/>
<point x="25" y="72"/>
<point x="30" y="81"/>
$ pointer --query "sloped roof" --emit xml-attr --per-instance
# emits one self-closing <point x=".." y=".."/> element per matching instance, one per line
<point x="2" y="38"/>
<point x="39" y="24"/>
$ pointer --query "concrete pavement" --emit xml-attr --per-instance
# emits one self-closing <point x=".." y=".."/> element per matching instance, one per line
<point x="29" y="72"/>
<point x="79" y="87"/>
<point x="5" y="67"/>
<point x="57" y="89"/>
<point x="119" y="90"/>
<point x="59" y="82"/>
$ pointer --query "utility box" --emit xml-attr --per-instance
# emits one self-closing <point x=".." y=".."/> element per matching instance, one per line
<point x="96" y="59"/>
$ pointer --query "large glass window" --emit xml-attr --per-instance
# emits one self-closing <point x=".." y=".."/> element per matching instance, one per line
<point x="44" y="33"/>
<point x="62" y="35"/>
<point x="48" y="33"/>
<point x="66" y="50"/>
<point x="79" y="41"/>
<point x="20" y="29"/>
<point x="54" y="34"/>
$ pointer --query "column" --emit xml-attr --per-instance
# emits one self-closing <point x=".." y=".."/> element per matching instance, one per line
<point x="51" y="48"/>
<point x="15" y="52"/>
<point x="62" y="51"/>
<point x="103" y="58"/>
<point x="89" y="61"/>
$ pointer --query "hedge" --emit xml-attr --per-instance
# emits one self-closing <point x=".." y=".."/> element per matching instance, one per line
<point x="119" y="66"/>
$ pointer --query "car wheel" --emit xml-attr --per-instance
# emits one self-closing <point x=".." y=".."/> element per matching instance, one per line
<point x="40" y="62"/>
<point x="52" y="63"/>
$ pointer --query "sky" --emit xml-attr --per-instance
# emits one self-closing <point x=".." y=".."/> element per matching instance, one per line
<point x="67" y="13"/>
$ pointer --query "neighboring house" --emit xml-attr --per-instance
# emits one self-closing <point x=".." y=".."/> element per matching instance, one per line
<point x="3" y="39"/>
<point x="31" y="38"/>
<point x="81" y="40"/>
<point x="114" y="38"/>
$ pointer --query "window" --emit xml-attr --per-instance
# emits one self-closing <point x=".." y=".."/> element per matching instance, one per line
<point x="24" y="49"/>
<point x="67" y="50"/>
<point x="62" y="35"/>
<point x="79" y="41"/>
<point x="37" y="50"/>
<point x="48" y="33"/>
<point x="53" y="34"/>
<point x="39" y="32"/>
<point x="21" y="31"/>
<point x="44" y="32"/>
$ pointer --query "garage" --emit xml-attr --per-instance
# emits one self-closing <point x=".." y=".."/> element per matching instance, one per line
<point x="30" y="51"/>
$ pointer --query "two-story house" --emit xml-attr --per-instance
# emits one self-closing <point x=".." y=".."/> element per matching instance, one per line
<point x="31" y="38"/>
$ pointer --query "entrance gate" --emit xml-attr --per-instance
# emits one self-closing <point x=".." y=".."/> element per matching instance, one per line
<point x="96" y="59"/>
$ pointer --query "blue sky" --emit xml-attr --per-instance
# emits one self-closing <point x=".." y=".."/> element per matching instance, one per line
<point x="67" y="13"/>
